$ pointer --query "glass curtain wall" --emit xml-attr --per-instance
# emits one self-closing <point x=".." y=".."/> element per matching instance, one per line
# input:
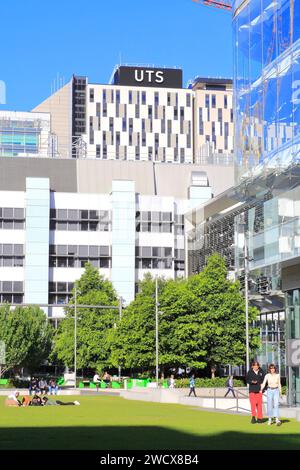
<point x="267" y="84"/>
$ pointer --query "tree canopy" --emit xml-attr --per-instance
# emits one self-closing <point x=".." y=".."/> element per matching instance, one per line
<point x="27" y="336"/>
<point x="94" y="325"/>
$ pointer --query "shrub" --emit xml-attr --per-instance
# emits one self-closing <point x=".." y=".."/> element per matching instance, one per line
<point x="218" y="382"/>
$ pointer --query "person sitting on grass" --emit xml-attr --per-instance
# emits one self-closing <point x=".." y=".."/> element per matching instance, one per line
<point x="43" y="386"/>
<point x="12" y="399"/>
<point x="26" y="401"/>
<point x="47" y="402"/>
<point x="36" y="400"/>
<point x="53" y="387"/>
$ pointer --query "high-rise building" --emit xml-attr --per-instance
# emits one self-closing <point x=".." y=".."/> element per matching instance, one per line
<point x="213" y="120"/>
<point x="143" y="114"/>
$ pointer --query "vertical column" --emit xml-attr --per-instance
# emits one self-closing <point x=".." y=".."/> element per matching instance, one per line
<point x="37" y="240"/>
<point x="123" y="238"/>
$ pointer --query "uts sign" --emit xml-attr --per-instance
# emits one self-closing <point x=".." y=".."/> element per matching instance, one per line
<point x="148" y="77"/>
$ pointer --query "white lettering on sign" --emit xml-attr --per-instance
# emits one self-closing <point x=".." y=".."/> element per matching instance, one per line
<point x="141" y="75"/>
<point x="295" y="356"/>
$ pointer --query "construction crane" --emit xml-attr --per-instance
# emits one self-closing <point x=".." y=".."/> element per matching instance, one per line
<point x="223" y="4"/>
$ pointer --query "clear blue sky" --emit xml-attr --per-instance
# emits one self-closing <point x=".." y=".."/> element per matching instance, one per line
<point x="42" y="38"/>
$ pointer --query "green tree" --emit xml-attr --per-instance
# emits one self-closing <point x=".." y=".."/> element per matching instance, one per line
<point x="221" y="309"/>
<point x="27" y="336"/>
<point x="181" y="337"/>
<point x="94" y="325"/>
<point x="134" y="339"/>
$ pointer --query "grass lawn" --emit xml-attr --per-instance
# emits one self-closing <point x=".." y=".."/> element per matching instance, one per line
<point x="107" y="422"/>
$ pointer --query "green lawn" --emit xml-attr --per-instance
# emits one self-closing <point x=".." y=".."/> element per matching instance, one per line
<point x="107" y="422"/>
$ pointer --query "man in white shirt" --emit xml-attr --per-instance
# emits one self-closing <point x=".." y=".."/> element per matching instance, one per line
<point x="96" y="380"/>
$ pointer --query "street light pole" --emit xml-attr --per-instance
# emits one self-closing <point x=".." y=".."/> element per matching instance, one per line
<point x="75" y="338"/>
<point x="156" y="330"/>
<point x="246" y="259"/>
<point x="120" y="317"/>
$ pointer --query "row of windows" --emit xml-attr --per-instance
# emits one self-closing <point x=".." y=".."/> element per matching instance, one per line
<point x="149" y="216"/>
<point x="154" y="227"/>
<point x="79" y="215"/>
<point x="80" y="226"/>
<point x="120" y="152"/>
<point x="12" y="213"/>
<point x="210" y="101"/>
<point x="59" y="299"/>
<point x="11" y="261"/>
<point x="153" y="263"/>
<point x="11" y="298"/>
<point x="92" y="251"/>
<point x="61" y="287"/>
<point x="153" y="251"/>
<point x="11" y="286"/>
<point x="12" y="225"/>
<point x="153" y="113"/>
<point x="141" y="97"/>
<point x="9" y="249"/>
<point x="63" y="262"/>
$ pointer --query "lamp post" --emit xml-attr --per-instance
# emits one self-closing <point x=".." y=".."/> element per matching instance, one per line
<point x="75" y="337"/>
<point x="120" y="317"/>
<point x="246" y="266"/>
<point x="156" y="331"/>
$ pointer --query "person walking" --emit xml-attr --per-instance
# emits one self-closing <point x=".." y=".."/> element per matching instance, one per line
<point x="254" y="379"/>
<point x="192" y="386"/>
<point x="272" y="378"/>
<point x="172" y="382"/>
<point x="230" y="386"/>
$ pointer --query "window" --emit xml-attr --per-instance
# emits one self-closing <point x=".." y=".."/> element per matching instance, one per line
<point x="143" y="97"/>
<point x="225" y="102"/>
<point x="130" y="97"/>
<point x="156" y="99"/>
<point x="207" y="101"/>
<point x="91" y="95"/>
<point x="213" y="101"/>
<point x="98" y="151"/>
<point x="188" y="100"/>
<point x="118" y="96"/>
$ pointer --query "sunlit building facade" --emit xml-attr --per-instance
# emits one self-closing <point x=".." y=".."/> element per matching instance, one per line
<point x="260" y="216"/>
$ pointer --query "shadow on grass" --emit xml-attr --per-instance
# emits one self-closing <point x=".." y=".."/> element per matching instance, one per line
<point x="138" y="438"/>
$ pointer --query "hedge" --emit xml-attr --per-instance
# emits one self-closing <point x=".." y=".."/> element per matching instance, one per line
<point x="218" y="382"/>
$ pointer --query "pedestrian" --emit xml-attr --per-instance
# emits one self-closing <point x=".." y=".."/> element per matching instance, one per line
<point x="192" y="386"/>
<point x="96" y="380"/>
<point x="272" y="378"/>
<point x="230" y="386"/>
<point x="254" y="379"/>
<point x="172" y="382"/>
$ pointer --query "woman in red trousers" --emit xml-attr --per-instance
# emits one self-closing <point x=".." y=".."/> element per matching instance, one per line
<point x="254" y="379"/>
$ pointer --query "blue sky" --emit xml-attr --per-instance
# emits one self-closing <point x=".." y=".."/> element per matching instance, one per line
<point x="40" y="39"/>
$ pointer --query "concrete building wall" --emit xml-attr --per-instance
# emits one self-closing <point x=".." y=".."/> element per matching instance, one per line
<point x="59" y="105"/>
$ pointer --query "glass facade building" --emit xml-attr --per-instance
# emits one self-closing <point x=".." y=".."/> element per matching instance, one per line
<point x="267" y="84"/>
